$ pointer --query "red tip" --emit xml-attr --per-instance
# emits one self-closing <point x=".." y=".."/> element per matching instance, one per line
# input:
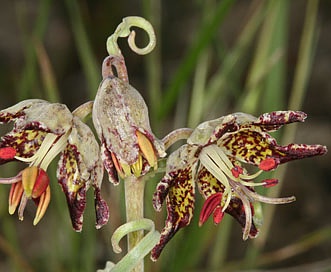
<point x="270" y="183"/>
<point x="236" y="171"/>
<point x="211" y="203"/>
<point x="7" y="153"/>
<point x="268" y="164"/>
<point x="218" y="215"/>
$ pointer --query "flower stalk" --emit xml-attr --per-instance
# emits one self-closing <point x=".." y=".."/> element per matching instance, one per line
<point x="134" y="207"/>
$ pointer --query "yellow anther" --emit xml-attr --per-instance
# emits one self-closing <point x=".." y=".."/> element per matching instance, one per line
<point x="44" y="200"/>
<point x="137" y="167"/>
<point x="15" y="195"/>
<point x="147" y="149"/>
<point x="29" y="177"/>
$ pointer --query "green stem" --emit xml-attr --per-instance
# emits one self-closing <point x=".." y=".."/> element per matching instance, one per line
<point x="134" y="204"/>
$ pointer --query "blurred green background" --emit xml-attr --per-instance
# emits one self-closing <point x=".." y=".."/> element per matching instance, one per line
<point x="212" y="58"/>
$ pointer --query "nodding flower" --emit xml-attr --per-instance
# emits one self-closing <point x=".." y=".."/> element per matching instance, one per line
<point x="120" y="116"/>
<point x="41" y="131"/>
<point x="214" y="160"/>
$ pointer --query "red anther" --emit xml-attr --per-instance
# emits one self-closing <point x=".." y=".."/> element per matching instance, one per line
<point x="218" y="215"/>
<point x="270" y="183"/>
<point x="7" y="153"/>
<point x="268" y="164"/>
<point x="211" y="203"/>
<point x="41" y="183"/>
<point x="236" y="171"/>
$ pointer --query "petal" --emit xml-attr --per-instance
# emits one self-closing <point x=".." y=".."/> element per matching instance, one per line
<point x="38" y="114"/>
<point x="80" y="167"/>
<point x="101" y="209"/>
<point x="10" y="114"/>
<point x="250" y="146"/>
<point x="209" y="131"/>
<point x="118" y="111"/>
<point x="236" y="209"/>
<point x="109" y="165"/>
<point x="299" y="151"/>
<point x="25" y="142"/>
<point x="180" y="163"/>
<point x="207" y="184"/>
<point x="274" y="120"/>
<point x="180" y="206"/>
<point x="73" y="185"/>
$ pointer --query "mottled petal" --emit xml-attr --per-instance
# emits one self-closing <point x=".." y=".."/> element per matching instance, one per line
<point x="120" y="117"/>
<point x="274" y="120"/>
<point x="79" y="168"/>
<point x="179" y="164"/>
<point x="236" y="209"/>
<point x="180" y="206"/>
<point x="73" y="185"/>
<point x="210" y="131"/>
<point x="18" y="110"/>
<point x="36" y="114"/>
<point x="207" y="184"/>
<point x="101" y="209"/>
<point x="250" y="146"/>
<point x="299" y="151"/>
<point x="25" y="142"/>
<point x="118" y="111"/>
<point x="108" y="163"/>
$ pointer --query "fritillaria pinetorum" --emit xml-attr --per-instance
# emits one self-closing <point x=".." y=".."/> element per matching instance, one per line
<point x="213" y="160"/>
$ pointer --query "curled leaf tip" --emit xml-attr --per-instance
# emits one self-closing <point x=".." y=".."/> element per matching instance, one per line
<point x="123" y="30"/>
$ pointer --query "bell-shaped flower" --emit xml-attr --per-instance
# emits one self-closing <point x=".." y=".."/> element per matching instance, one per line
<point x="120" y="117"/>
<point x="214" y="159"/>
<point x="80" y="167"/>
<point x="40" y="132"/>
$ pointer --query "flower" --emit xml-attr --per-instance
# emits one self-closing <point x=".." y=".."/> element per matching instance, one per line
<point x="214" y="159"/>
<point x="41" y="131"/>
<point x="120" y="117"/>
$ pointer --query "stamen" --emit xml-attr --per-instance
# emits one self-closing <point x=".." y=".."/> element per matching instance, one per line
<point x="22" y="206"/>
<point x="218" y="215"/>
<point x="209" y="207"/>
<point x="44" y="200"/>
<point x="11" y="180"/>
<point x="247" y="208"/>
<point x="137" y="166"/>
<point x="268" y="164"/>
<point x="7" y="153"/>
<point x="15" y="194"/>
<point x="29" y="176"/>
<point x="210" y="159"/>
<point x="270" y="182"/>
<point x="236" y="171"/>
<point x="270" y="200"/>
<point x="58" y="146"/>
<point x="126" y="169"/>
<point x="41" y="183"/>
<point x="147" y="149"/>
<point x="117" y="165"/>
<point x="252" y="176"/>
